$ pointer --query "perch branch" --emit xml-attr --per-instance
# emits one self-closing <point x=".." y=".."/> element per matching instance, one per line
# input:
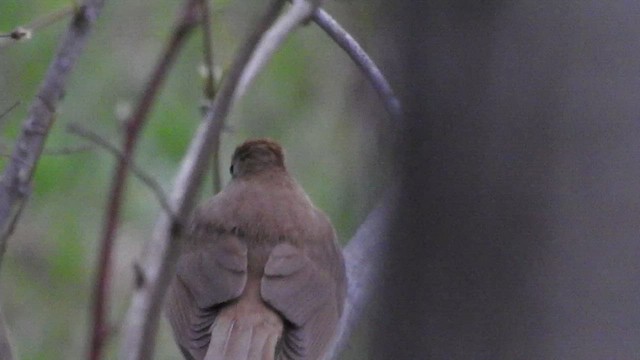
<point x="362" y="257"/>
<point x="158" y="260"/>
<point x="16" y="178"/>
<point x="134" y="125"/>
<point x="362" y="60"/>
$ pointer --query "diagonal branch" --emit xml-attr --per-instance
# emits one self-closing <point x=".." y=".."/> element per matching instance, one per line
<point x="362" y="60"/>
<point x="150" y="182"/>
<point x="16" y="179"/>
<point x="134" y="125"/>
<point x="5" y="345"/>
<point x="299" y="12"/>
<point x="9" y="109"/>
<point x="158" y="260"/>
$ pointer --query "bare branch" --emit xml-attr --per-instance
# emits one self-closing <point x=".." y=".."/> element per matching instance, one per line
<point x="149" y="181"/>
<point x="299" y="12"/>
<point x="362" y="60"/>
<point x="158" y="259"/>
<point x="16" y="178"/>
<point x="134" y="125"/>
<point x="26" y="32"/>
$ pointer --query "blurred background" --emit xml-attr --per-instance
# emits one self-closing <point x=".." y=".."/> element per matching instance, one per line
<point x="311" y="98"/>
<point x="517" y="234"/>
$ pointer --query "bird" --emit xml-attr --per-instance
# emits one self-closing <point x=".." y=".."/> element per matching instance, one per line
<point x="260" y="275"/>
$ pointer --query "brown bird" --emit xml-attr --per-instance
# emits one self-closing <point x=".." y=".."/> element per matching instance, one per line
<point x="261" y="275"/>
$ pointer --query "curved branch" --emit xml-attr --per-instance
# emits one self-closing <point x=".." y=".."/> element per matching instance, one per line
<point x="16" y="179"/>
<point x="362" y="60"/>
<point x="299" y="12"/>
<point x="158" y="259"/>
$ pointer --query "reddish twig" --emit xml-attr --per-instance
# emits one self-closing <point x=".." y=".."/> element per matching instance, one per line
<point x="133" y="127"/>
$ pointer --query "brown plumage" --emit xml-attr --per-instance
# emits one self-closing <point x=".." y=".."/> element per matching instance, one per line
<point x="261" y="275"/>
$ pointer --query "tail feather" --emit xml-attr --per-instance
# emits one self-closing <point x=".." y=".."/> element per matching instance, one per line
<point x="245" y="331"/>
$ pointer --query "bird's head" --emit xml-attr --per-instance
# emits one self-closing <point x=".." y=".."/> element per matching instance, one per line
<point x="255" y="156"/>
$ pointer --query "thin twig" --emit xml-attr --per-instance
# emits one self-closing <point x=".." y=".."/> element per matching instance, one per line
<point x="158" y="260"/>
<point x="134" y="126"/>
<point x="54" y="152"/>
<point x="210" y="84"/>
<point x="26" y="32"/>
<point x="149" y="181"/>
<point x="16" y="178"/>
<point x="9" y="109"/>
<point x="362" y="60"/>
<point x="67" y="150"/>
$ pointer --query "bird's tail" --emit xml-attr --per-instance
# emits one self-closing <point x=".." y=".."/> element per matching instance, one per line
<point x="245" y="330"/>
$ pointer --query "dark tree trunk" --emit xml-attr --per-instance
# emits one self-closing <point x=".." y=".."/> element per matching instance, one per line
<point x="517" y="234"/>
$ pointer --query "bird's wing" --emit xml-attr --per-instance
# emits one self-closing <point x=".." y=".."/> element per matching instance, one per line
<point x="306" y="293"/>
<point x="207" y="275"/>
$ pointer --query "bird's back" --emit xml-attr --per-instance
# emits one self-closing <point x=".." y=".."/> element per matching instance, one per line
<point x="257" y="279"/>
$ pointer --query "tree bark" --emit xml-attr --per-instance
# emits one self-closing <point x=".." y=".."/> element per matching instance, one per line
<point x="516" y="234"/>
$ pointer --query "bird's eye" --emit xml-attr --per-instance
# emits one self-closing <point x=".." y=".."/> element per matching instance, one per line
<point x="231" y="169"/>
